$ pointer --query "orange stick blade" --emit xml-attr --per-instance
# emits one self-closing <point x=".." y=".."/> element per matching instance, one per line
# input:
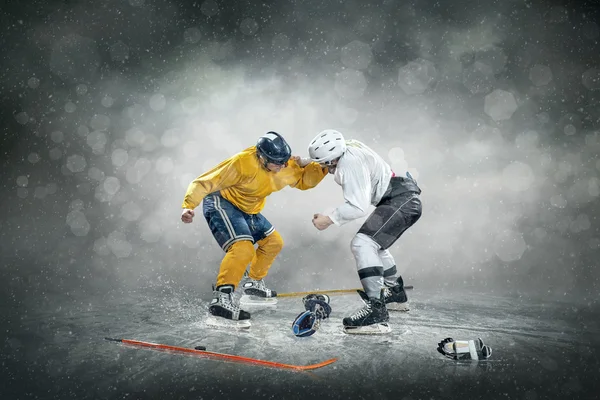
<point x="226" y="357"/>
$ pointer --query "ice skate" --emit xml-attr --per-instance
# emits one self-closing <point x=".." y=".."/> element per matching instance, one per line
<point x="224" y="312"/>
<point x="256" y="293"/>
<point x="395" y="297"/>
<point x="372" y="319"/>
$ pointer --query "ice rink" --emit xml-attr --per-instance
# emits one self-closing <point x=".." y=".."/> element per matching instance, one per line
<point x="541" y="350"/>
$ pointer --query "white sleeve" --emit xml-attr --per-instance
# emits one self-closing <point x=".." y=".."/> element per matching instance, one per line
<point x="356" y="185"/>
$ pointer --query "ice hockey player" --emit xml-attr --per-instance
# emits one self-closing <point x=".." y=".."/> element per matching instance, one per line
<point x="233" y="194"/>
<point x="366" y="179"/>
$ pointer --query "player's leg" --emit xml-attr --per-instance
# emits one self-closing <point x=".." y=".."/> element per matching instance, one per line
<point x="270" y="244"/>
<point x="395" y="295"/>
<point x="230" y="230"/>
<point x="373" y="317"/>
<point x="385" y="226"/>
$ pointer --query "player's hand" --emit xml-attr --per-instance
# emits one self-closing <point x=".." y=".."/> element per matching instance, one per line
<point x="321" y="221"/>
<point x="187" y="215"/>
<point x="302" y="162"/>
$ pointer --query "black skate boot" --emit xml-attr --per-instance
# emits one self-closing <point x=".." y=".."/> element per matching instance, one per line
<point x="372" y="319"/>
<point x="395" y="297"/>
<point x="256" y="292"/>
<point x="225" y="310"/>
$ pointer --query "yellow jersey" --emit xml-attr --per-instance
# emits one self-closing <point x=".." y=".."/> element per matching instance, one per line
<point x="244" y="181"/>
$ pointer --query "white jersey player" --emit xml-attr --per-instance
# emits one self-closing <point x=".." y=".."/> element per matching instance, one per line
<point x="366" y="179"/>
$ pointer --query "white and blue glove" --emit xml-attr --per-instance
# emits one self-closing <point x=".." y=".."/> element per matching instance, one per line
<point x="464" y="349"/>
<point x="317" y="309"/>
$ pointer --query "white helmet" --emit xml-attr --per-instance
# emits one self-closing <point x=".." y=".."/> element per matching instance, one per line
<point x="327" y="146"/>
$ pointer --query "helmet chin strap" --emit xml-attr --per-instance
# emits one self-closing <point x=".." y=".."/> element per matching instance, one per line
<point x="263" y="161"/>
<point x="331" y="166"/>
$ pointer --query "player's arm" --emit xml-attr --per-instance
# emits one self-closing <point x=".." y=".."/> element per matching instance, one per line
<point x="226" y="174"/>
<point x="306" y="177"/>
<point x="356" y="186"/>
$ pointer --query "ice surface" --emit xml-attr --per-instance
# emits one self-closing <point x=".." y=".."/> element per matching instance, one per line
<point x="541" y="349"/>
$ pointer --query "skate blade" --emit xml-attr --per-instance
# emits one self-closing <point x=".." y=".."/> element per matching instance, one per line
<point x="402" y="307"/>
<point x="224" y="323"/>
<point x="247" y="300"/>
<point x="375" y="329"/>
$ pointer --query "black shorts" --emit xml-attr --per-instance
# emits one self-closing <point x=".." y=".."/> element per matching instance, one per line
<point x="392" y="217"/>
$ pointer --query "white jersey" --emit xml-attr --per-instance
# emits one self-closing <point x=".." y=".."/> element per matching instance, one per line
<point x="364" y="177"/>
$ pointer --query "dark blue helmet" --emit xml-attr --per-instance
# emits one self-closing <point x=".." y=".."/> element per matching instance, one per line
<point x="273" y="148"/>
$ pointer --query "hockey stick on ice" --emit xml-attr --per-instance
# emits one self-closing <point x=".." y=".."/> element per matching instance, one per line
<point x="331" y="291"/>
<point x="200" y="351"/>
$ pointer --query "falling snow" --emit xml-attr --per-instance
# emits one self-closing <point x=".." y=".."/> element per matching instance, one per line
<point x="113" y="109"/>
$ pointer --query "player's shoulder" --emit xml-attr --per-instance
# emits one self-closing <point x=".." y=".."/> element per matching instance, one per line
<point x="350" y="158"/>
<point x="247" y="160"/>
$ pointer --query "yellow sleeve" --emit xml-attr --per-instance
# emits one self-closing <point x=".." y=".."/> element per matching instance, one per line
<point x="309" y="176"/>
<point x="226" y="174"/>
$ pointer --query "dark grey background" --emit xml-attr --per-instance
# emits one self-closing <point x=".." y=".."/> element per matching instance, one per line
<point x="110" y="108"/>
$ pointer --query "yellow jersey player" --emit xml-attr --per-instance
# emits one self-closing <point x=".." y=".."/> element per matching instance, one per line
<point x="233" y="194"/>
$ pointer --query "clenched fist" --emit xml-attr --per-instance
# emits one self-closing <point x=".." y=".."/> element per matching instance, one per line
<point x="187" y="215"/>
<point x="321" y="222"/>
<point x="301" y="161"/>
